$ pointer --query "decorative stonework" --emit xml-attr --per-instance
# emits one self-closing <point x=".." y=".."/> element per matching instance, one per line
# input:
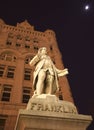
<point x="51" y="103"/>
<point x="25" y="25"/>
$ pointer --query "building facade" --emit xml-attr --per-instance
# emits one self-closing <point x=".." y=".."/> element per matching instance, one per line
<point x="18" y="45"/>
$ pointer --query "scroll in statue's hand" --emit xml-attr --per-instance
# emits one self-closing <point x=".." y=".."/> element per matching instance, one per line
<point x="63" y="72"/>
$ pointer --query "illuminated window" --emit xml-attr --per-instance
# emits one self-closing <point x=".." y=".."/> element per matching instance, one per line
<point x="7" y="71"/>
<point x="26" y="94"/>
<point x="2" y="68"/>
<point x="8" y="56"/>
<point x="27" y="74"/>
<point x="6" y="92"/>
<point x="2" y="122"/>
<point x="10" y="73"/>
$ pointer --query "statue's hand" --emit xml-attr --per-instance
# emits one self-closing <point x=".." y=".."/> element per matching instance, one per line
<point x="63" y="72"/>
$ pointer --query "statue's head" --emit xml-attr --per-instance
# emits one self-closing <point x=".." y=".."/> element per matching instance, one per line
<point x="42" y="50"/>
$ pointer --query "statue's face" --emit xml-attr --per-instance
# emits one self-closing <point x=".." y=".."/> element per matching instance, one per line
<point x="44" y="50"/>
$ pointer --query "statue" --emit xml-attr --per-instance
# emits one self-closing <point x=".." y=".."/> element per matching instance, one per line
<point x="45" y="80"/>
<point x="45" y="84"/>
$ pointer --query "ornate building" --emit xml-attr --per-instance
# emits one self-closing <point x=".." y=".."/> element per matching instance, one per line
<point x="18" y="44"/>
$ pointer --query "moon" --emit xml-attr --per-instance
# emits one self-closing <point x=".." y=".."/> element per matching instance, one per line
<point x="87" y="7"/>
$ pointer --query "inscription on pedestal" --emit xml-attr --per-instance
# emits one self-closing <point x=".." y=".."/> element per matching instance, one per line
<point x="54" y="105"/>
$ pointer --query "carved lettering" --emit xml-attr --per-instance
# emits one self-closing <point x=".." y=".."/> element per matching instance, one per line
<point x="46" y="107"/>
<point x="33" y="106"/>
<point x="52" y="108"/>
<point x="40" y="107"/>
<point x="61" y="109"/>
<point x="58" y="109"/>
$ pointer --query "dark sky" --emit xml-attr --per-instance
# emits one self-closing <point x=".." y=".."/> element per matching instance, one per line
<point x="74" y="28"/>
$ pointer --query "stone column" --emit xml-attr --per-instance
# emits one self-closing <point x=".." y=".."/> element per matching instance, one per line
<point x="19" y="77"/>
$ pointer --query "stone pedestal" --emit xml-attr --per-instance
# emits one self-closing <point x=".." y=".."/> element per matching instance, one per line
<point x="46" y="112"/>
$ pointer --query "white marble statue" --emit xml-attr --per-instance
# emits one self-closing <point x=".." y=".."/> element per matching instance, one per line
<point x="45" y="80"/>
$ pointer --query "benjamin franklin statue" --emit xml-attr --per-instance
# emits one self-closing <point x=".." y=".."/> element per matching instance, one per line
<point x="45" y="80"/>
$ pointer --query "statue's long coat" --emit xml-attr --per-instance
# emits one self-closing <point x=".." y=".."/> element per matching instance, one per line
<point x="39" y="64"/>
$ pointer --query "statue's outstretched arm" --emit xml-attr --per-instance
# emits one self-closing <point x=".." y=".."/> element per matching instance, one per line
<point x="62" y="72"/>
<point x="34" y="60"/>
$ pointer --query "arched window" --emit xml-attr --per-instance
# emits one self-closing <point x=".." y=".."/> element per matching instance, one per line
<point x="8" y="56"/>
<point x="28" y="58"/>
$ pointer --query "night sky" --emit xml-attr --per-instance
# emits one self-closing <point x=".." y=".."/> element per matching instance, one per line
<point x="74" y="28"/>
